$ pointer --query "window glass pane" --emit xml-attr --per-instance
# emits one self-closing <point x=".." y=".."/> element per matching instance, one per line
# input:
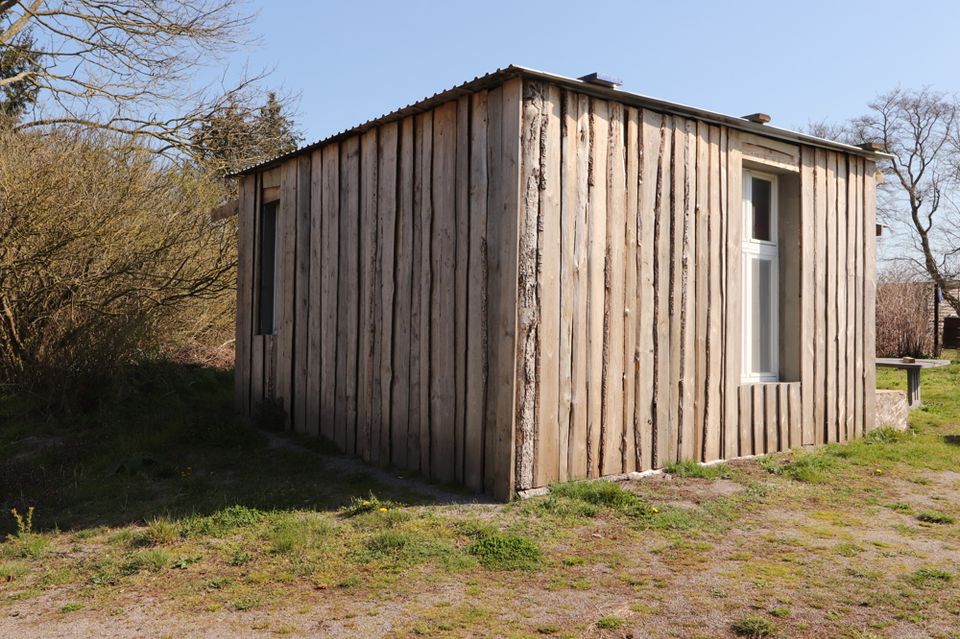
<point x="763" y="356"/>
<point x="268" y="253"/>
<point x="761" y="193"/>
<point x="761" y="316"/>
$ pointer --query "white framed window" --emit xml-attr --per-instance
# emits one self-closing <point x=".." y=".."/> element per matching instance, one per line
<point x="761" y="266"/>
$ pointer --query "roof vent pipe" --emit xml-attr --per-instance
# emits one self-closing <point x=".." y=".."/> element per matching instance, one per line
<point x="873" y="146"/>
<point x="602" y="79"/>
<point x="759" y="118"/>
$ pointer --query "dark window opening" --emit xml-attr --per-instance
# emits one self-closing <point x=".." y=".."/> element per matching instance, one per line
<point x="761" y="209"/>
<point x="268" y="268"/>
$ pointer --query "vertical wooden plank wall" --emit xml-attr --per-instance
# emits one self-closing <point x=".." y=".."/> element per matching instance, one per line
<point x="839" y="270"/>
<point x="396" y="292"/>
<point x="630" y="300"/>
<point x="623" y="308"/>
<point x="528" y="284"/>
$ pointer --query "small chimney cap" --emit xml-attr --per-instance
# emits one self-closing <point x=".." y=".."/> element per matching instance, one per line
<point x="759" y="118"/>
<point x="872" y="146"/>
<point x="602" y="79"/>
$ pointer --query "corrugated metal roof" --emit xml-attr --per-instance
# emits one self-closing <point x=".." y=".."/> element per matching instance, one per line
<point x="633" y="99"/>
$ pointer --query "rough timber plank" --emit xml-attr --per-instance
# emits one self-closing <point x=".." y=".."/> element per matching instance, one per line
<point x="856" y="180"/>
<point x="315" y="296"/>
<point x="759" y="418"/>
<point x="256" y="371"/>
<point x="794" y="396"/>
<point x="462" y="241"/>
<point x="851" y="301"/>
<point x="830" y="397"/>
<point x="423" y="281"/>
<point x="568" y="181"/>
<point x="246" y="220"/>
<point x="579" y="163"/>
<point x="442" y="303"/>
<point x="299" y="390"/>
<point x="869" y="295"/>
<point x="529" y="313"/>
<point x="270" y="346"/>
<point x="503" y="278"/>
<point x="713" y="435"/>
<point x="401" y="454"/>
<point x="676" y="321"/>
<point x="661" y="321"/>
<point x="729" y="402"/>
<point x="256" y="344"/>
<point x="348" y="297"/>
<point x="745" y="416"/>
<point x="528" y="296"/>
<point x="387" y="212"/>
<point x="599" y="128"/>
<point x="700" y="294"/>
<point x="631" y="262"/>
<point x="286" y="286"/>
<point x="733" y="275"/>
<point x="367" y="363"/>
<point x="687" y="425"/>
<point x="492" y="455"/>
<point x="820" y="294"/>
<point x="652" y="143"/>
<point x="771" y="418"/>
<point x="329" y="274"/>
<point x="807" y="292"/>
<point x="611" y="460"/>
<point x="476" y="369"/>
<point x="782" y="441"/>
<point x="841" y="301"/>
<point x="547" y="455"/>
<point x="417" y="419"/>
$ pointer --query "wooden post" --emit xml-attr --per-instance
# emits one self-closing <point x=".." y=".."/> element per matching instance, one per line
<point x="913" y="387"/>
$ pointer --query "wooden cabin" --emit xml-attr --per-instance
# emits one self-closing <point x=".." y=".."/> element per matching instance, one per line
<point x="530" y="278"/>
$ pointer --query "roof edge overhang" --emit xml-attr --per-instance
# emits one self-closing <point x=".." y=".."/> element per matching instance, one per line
<point x="497" y="77"/>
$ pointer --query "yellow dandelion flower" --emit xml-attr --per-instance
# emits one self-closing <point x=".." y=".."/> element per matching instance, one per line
<point x="382" y="509"/>
<point x="656" y="510"/>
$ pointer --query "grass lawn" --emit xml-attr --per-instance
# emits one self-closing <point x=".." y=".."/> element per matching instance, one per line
<point x="163" y="517"/>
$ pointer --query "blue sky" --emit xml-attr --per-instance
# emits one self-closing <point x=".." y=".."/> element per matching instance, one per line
<point x="798" y="61"/>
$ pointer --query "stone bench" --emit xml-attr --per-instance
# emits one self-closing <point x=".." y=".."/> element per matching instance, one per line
<point x="913" y="369"/>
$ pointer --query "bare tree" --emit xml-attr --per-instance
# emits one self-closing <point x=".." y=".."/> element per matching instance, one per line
<point x="919" y="197"/>
<point x="125" y="66"/>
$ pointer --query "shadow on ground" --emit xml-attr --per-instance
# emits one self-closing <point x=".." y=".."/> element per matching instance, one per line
<point x="953" y="440"/>
<point x="173" y="447"/>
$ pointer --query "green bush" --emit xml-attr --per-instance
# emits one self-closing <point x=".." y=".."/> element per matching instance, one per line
<point x="690" y="468"/>
<point x="222" y="522"/>
<point x="811" y="468"/>
<point x="930" y="578"/>
<point x="507" y="551"/>
<point x="600" y="494"/>
<point x="399" y="548"/>
<point x="753" y="627"/>
<point x="610" y="622"/>
<point x="931" y="517"/>
<point x="153" y="560"/>
<point x="107" y="254"/>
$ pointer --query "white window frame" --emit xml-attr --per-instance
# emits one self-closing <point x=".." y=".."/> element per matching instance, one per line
<point x="753" y="249"/>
